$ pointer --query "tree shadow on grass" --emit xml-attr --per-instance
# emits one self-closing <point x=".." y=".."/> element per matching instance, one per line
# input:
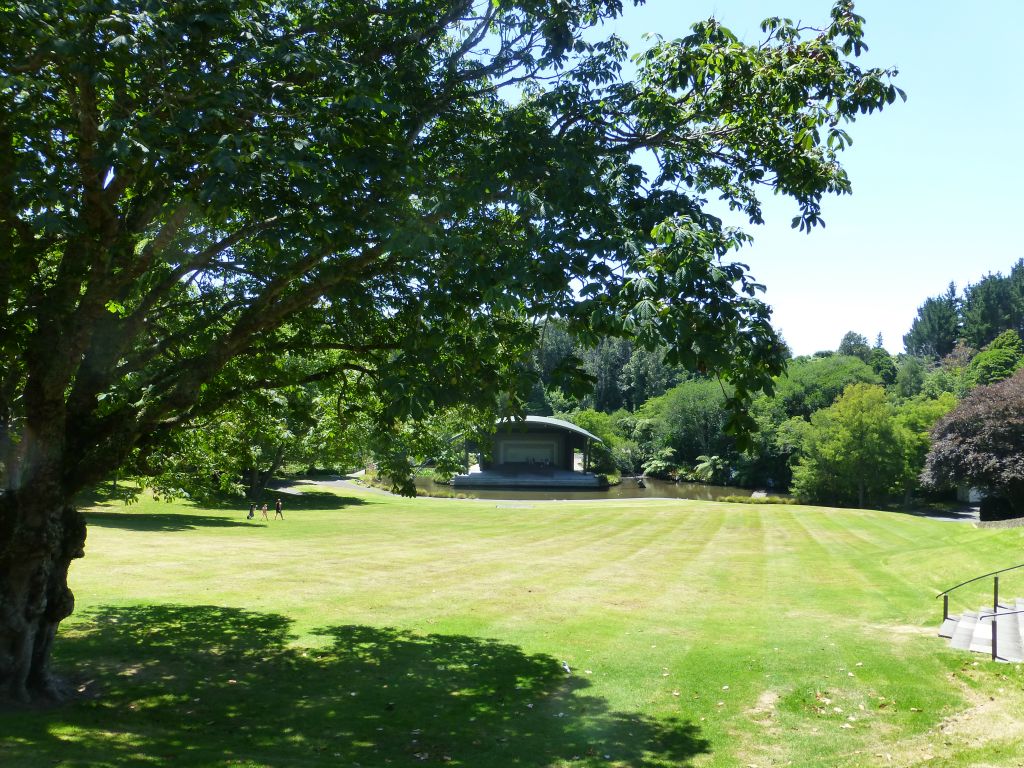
<point x="212" y="686"/>
<point x="163" y="522"/>
<point x="307" y="500"/>
<point x="127" y="516"/>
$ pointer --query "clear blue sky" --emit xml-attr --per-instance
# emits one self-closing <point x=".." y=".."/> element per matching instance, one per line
<point x="936" y="180"/>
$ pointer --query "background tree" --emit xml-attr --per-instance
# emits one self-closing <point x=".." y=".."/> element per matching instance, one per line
<point x="915" y="419"/>
<point x="910" y="376"/>
<point x="690" y="419"/>
<point x="936" y="328"/>
<point x="981" y="444"/>
<point x="997" y="361"/>
<point x="993" y="305"/>
<point x="855" y="345"/>
<point x="189" y="193"/>
<point x="644" y="376"/>
<point x="708" y="469"/>
<point x="882" y="364"/>
<point x="851" y="452"/>
<point x="604" y="362"/>
<point x="811" y="384"/>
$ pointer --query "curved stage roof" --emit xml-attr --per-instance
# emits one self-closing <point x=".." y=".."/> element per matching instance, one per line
<point x="548" y="421"/>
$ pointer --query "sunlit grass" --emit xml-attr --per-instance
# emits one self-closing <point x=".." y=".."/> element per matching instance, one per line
<point x="369" y="630"/>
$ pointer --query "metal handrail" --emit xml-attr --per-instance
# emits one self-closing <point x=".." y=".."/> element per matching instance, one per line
<point x="978" y="578"/>
<point x="995" y="616"/>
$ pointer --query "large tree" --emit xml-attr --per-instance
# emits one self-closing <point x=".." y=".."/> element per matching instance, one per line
<point x="981" y="444"/>
<point x="192" y="194"/>
<point x="852" y="451"/>
<point x="854" y="344"/>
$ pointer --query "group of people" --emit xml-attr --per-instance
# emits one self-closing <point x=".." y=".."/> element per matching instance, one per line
<point x="263" y="509"/>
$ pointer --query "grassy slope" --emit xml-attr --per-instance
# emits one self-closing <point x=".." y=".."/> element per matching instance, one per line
<point x="374" y="631"/>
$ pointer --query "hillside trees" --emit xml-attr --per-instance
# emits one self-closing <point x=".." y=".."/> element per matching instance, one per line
<point x="936" y="328"/>
<point x="690" y="420"/>
<point x="997" y="361"/>
<point x="190" y="192"/>
<point x="811" y="384"/>
<point x="992" y="305"/>
<point x="854" y="344"/>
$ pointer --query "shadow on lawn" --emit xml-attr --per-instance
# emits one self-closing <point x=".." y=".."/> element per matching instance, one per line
<point x="215" y="686"/>
<point x="164" y="522"/>
<point x="127" y="517"/>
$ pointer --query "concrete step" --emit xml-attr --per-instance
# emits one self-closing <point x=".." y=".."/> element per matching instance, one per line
<point x="1008" y="635"/>
<point x="1009" y="645"/>
<point x="1019" y="606"/>
<point x="981" y="634"/>
<point x="972" y="630"/>
<point x="964" y="631"/>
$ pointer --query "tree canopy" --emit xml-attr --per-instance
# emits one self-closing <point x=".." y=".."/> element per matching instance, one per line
<point x="936" y="328"/>
<point x="851" y="452"/>
<point x="981" y="443"/>
<point x="199" y="200"/>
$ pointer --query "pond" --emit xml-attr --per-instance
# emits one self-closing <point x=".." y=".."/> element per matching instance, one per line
<point x="627" y="489"/>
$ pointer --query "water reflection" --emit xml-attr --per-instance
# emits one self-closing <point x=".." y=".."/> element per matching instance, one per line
<point x="627" y="489"/>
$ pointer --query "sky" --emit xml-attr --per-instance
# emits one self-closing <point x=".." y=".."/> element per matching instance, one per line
<point x="936" y="181"/>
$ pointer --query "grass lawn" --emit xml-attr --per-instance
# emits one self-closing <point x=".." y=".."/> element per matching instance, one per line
<point x="365" y="630"/>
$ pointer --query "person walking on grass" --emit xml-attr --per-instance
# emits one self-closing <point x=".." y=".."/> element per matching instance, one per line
<point x="263" y="509"/>
<point x="252" y="511"/>
<point x="277" y="510"/>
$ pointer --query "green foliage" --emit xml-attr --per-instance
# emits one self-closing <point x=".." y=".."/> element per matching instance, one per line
<point x="997" y="361"/>
<point x="603" y="458"/>
<point x="690" y="419"/>
<point x="994" y="304"/>
<point x="188" y="199"/>
<point x="936" y="328"/>
<point x="766" y="462"/>
<point x="910" y="376"/>
<point x="602" y="461"/>
<point x="629" y="457"/>
<point x="604" y="363"/>
<point x="882" y="364"/>
<point x="662" y="464"/>
<point x="603" y="425"/>
<point x="811" y="384"/>
<point x="852" y="453"/>
<point x="644" y="376"/>
<point x="855" y="345"/>
<point x="915" y="419"/>
<point x="1009" y="340"/>
<point x="992" y="365"/>
<point x="708" y="469"/>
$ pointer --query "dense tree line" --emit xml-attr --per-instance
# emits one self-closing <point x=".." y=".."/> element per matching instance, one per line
<point x="844" y="427"/>
<point x="987" y="308"/>
<point x="849" y="427"/>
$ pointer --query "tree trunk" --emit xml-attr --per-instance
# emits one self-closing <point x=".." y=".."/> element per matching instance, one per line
<point x="254" y="483"/>
<point x="38" y="541"/>
<point x="275" y="465"/>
